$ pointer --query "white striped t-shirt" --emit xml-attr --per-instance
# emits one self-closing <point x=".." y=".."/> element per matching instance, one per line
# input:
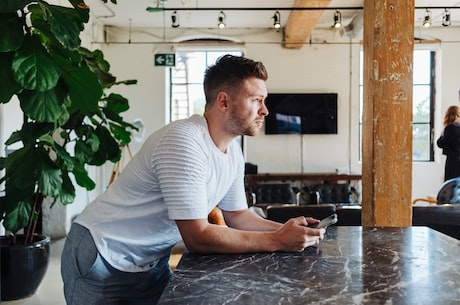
<point x="179" y="173"/>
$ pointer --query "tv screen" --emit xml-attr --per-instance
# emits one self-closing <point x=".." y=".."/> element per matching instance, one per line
<point x="301" y="113"/>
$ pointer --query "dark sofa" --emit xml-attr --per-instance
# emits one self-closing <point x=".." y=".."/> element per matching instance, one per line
<point x="444" y="218"/>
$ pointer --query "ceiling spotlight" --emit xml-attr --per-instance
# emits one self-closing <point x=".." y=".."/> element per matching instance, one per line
<point x="221" y="20"/>
<point x="446" y="18"/>
<point x="427" y="19"/>
<point x="337" y="19"/>
<point x="175" y="20"/>
<point x="277" y="20"/>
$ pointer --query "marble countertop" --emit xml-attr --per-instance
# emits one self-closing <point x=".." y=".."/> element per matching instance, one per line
<point x="352" y="265"/>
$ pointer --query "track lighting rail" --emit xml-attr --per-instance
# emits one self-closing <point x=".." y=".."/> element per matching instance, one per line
<point x="282" y="8"/>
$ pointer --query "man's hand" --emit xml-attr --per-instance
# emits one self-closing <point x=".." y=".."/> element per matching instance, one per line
<point x="295" y="235"/>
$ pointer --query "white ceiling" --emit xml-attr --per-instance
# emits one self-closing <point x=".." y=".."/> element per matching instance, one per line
<point x="133" y="13"/>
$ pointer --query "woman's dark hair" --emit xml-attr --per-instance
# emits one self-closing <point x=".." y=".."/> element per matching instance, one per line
<point x="228" y="74"/>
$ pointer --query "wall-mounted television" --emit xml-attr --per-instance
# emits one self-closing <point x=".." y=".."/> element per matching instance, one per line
<point x="301" y="113"/>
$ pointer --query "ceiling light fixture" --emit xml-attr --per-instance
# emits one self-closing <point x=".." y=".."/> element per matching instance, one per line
<point x="221" y="20"/>
<point x="446" y="18"/>
<point x="175" y="20"/>
<point x="427" y="19"/>
<point x="337" y="19"/>
<point x="277" y="20"/>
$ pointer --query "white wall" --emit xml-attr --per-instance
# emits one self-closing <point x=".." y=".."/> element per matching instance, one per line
<point x="315" y="68"/>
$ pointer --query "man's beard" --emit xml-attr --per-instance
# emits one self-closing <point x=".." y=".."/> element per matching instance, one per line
<point x="235" y="126"/>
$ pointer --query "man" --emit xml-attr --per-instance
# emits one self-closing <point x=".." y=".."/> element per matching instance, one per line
<point x="118" y="249"/>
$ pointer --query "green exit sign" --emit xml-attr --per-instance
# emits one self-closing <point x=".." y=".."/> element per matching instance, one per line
<point x="165" y="60"/>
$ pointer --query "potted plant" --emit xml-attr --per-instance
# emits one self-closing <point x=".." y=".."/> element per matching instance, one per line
<point x="69" y="122"/>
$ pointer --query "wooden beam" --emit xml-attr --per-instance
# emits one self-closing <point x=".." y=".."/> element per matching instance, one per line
<point x="387" y="113"/>
<point x="300" y="23"/>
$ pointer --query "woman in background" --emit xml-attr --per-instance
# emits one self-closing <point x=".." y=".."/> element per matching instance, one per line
<point x="450" y="142"/>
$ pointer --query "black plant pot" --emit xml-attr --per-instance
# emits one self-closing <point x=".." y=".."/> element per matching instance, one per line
<point x="23" y="266"/>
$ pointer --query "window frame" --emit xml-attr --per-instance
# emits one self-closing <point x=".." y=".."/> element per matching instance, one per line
<point x="432" y="105"/>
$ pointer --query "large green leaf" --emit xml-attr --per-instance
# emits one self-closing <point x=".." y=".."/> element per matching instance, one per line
<point x="66" y="25"/>
<point x="82" y="178"/>
<point x="86" y="145"/>
<point x="54" y="46"/>
<point x="65" y="115"/>
<point x="95" y="59"/>
<point x="43" y="106"/>
<point x="56" y="49"/>
<point x="50" y="181"/>
<point x="117" y="103"/>
<point x="66" y="160"/>
<point x="29" y="132"/>
<point x="17" y="218"/>
<point x="75" y="120"/>
<point x="96" y="62"/>
<point x="83" y="152"/>
<point x="120" y="133"/>
<point x="123" y="82"/>
<point x="14" y="137"/>
<point x="12" y="32"/>
<point x="33" y="68"/>
<point x="84" y="87"/>
<point x="21" y="171"/>
<point x="11" y="6"/>
<point x="23" y="165"/>
<point x="67" y="194"/>
<point x="112" y="115"/>
<point x="92" y="140"/>
<point x="109" y="149"/>
<point x="8" y="85"/>
<point x="82" y="9"/>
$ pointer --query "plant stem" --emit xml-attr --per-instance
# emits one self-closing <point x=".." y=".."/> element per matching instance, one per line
<point x="33" y="218"/>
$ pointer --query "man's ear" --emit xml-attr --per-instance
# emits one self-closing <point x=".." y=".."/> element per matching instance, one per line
<point x="222" y="101"/>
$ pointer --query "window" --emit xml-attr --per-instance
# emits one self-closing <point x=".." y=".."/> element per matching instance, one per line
<point x="186" y="91"/>
<point x="422" y="105"/>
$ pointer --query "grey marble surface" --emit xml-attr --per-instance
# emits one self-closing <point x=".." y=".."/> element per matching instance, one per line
<point x="352" y="265"/>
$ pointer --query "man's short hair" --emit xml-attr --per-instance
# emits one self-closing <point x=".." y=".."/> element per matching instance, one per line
<point x="228" y="74"/>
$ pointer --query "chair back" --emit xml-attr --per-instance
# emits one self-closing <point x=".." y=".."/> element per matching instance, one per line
<point x="337" y="193"/>
<point x="449" y="192"/>
<point x="274" y="193"/>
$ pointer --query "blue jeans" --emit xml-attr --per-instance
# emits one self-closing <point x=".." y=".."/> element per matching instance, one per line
<point x="89" y="279"/>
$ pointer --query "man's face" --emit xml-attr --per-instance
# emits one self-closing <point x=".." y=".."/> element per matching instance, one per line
<point x="248" y="110"/>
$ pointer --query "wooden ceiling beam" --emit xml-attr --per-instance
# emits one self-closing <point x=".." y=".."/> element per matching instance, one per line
<point x="301" y="22"/>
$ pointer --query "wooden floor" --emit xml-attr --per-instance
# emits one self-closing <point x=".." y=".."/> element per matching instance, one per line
<point x="174" y="260"/>
<point x="176" y="255"/>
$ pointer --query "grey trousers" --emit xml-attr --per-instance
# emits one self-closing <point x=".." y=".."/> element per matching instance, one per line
<point x="90" y="280"/>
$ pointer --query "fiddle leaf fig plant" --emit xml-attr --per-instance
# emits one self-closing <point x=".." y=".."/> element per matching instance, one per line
<point x="70" y="120"/>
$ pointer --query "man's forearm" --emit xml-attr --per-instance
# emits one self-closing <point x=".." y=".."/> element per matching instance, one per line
<point x="247" y="220"/>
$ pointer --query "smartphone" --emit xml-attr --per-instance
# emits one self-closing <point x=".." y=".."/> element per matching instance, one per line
<point x="330" y="220"/>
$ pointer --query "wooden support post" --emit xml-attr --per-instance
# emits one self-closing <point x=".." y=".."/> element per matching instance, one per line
<point x="387" y="113"/>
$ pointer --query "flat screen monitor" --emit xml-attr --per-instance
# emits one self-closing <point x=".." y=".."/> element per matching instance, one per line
<point x="301" y="113"/>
